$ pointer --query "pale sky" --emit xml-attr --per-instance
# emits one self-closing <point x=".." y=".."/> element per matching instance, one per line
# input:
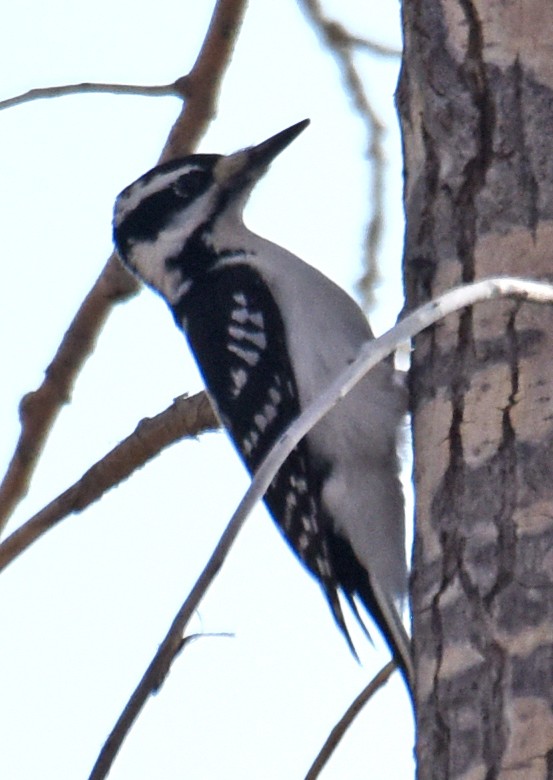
<point x="82" y="611"/>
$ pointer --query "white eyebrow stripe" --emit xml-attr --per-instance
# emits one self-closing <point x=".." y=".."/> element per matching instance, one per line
<point x="130" y="199"/>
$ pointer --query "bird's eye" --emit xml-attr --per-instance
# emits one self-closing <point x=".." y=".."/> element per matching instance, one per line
<point x="191" y="184"/>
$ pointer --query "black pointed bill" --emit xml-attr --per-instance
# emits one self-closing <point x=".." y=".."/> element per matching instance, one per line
<point x="264" y="153"/>
<point x="246" y="166"/>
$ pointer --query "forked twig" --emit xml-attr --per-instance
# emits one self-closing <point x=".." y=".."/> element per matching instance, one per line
<point x="342" y="44"/>
<point x="39" y="409"/>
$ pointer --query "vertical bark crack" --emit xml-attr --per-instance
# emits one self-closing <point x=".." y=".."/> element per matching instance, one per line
<point x="529" y="184"/>
<point x="474" y="70"/>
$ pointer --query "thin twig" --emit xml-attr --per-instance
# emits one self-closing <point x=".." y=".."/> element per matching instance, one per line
<point x="39" y="409"/>
<point x="87" y="87"/>
<point x="204" y="80"/>
<point x="380" y="49"/>
<point x="335" y="736"/>
<point x="186" y="417"/>
<point x="341" y="44"/>
<point x="370" y="354"/>
<point x="340" y="36"/>
<point x="124" y="723"/>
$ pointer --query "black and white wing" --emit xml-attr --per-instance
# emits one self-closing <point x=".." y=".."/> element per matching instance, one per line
<point x="235" y="331"/>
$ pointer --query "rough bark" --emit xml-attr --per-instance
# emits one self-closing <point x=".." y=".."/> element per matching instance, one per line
<point x="476" y="106"/>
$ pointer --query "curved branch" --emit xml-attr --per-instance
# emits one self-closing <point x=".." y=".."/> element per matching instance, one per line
<point x="40" y="408"/>
<point x="124" y="723"/>
<point x="186" y="417"/>
<point x="335" y="736"/>
<point x="370" y="354"/>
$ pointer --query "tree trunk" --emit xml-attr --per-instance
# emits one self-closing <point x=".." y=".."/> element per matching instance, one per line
<point x="476" y="106"/>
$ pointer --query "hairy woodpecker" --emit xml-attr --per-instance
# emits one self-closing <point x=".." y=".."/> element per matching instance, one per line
<point x="269" y="332"/>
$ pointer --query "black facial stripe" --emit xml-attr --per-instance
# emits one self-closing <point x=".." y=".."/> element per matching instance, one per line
<point x="155" y="211"/>
<point x="151" y="215"/>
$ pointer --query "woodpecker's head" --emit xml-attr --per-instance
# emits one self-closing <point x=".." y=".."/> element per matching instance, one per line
<point x="171" y="202"/>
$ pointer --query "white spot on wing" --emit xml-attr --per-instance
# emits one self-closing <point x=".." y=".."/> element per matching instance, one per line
<point x="270" y="412"/>
<point x="239" y="378"/>
<point x="323" y="566"/>
<point x="256" y="318"/>
<point x="183" y="288"/>
<point x="240" y="299"/>
<point x="240" y="316"/>
<point x="303" y="542"/>
<point x="291" y="499"/>
<point x="237" y="333"/>
<point x="299" y="484"/>
<point x="275" y="396"/>
<point x="247" y="355"/>
<point x="259" y="340"/>
<point x="261" y="421"/>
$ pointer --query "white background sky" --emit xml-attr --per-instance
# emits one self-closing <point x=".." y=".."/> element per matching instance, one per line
<point x="83" y="611"/>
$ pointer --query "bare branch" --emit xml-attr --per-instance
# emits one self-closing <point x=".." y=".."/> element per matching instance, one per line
<point x="185" y="417"/>
<point x="373" y="47"/>
<point x="87" y="87"/>
<point x="341" y="44"/>
<point x="335" y="736"/>
<point x="342" y="37"/>
<point x="146" y="687"/>
<point x="40" y="409"/>
<point x="370" y="354"/>
<point x="204" y="80"/>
